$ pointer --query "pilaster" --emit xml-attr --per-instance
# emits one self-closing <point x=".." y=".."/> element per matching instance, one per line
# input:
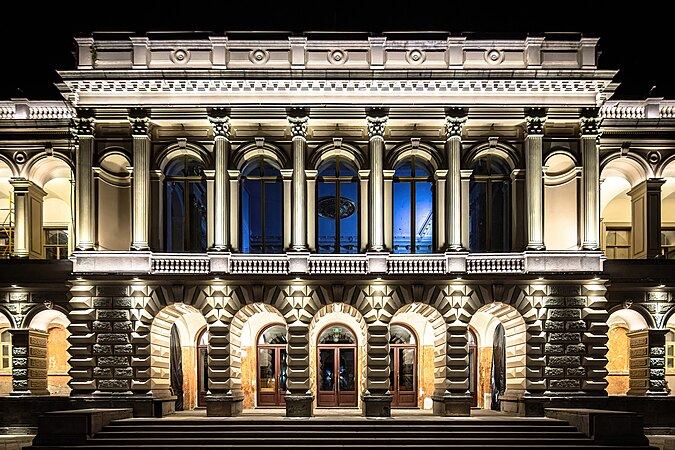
<point x="454" y="121"/>
<point x="28" y="236"/>
<point x="299" y="398"/>
<point x="376" y="397"/>
<point x="647" y="368"/>
<point x="590" y="153"/>
<point x="84" y="182"/>
<point x="140" y="135"/>
<point x="534" y="178"/>
<point x="377" y="121"/>
<point x="646" y="218"/>
<point x="220" y="122"/>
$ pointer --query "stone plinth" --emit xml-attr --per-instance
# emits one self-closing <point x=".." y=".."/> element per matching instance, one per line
<point x="226" y="405"/>
<point x="299" y="405"/>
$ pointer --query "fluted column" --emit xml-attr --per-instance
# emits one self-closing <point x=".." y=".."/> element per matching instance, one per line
<point x="84" y="182"/>
<point x="140" y="134"/>
<point x="298" y="118"/>
<point x="590" y="155"/>
<point x="220" y="122"/>
<point x="454" y="121"/>
<point x="377" y="121"/>
<point x="534" y="178"/>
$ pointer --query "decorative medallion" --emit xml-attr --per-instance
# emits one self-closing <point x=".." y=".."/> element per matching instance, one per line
<point x="415" y="56"/>
<point x="654" y="157"/>
<point x="20" y="157"/>
<point x="337" y="57"/>
<point x="259" y="56"/>
<point x="494" y="56"/>
<point x="180" y="56"/>
<point x="326" y="207"/>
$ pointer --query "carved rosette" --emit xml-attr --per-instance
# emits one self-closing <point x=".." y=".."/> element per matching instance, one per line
<point x="221" y="126"/>
<point x="376" y="126"/>
<point x="298" y="126"/>
<point x="454" y="125"/>
<point x="140" y="126"/>
<point x="535" y="118"/>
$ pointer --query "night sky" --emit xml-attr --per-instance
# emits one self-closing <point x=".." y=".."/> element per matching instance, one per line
<point x="37" y="39"/>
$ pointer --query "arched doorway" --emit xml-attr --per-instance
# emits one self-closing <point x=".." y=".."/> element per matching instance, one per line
<point x="337" y="367"/>
<point x="272" y="366"/>
<point x="403" y="366"/>
<point x="202" y="367"/>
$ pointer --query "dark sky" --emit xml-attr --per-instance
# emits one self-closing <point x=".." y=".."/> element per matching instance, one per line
<point x="37" y="39"/>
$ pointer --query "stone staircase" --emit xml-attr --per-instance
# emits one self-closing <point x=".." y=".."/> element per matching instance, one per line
<point x="337" y="433"/>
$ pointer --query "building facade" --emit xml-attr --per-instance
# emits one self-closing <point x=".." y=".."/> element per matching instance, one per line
<point x="232" y="222"/>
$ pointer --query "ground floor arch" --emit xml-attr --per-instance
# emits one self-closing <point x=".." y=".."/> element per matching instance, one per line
<point x="55" y="324"/>
<point x="621" y="323"/>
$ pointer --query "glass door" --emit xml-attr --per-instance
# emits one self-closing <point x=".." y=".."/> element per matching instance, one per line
<point x="272" y="366"/>
<point x="403" y="367"/>
<point x="337" y="366"/>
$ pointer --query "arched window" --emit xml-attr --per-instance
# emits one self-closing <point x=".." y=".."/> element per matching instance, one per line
<point x="185" y="205"/>
<point x="337" y="207"/>
<point x="490" y="205"/>
<point x="413" y="207"/>
<point x="262" y="204"/>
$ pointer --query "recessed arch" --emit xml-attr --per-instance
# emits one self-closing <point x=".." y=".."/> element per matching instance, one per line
<point x="423" y="150"/>
<point x="629" y="318"/>
<point x="330" y="150"/>
<point x="632" y="168"/>
<point x="251" y="150"/>
<point x="503" y="151"/>
<point x="190" y="149"/>
<point x="42" y="168"/>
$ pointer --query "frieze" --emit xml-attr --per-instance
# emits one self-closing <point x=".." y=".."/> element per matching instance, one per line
<point x="18" y="296"/>
<point x="657" y="296"/>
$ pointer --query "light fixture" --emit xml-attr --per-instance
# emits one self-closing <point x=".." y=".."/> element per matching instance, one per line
<point x="378" y="278"/>
<point x="136" y="279"/>
<point x="216" y="278"/>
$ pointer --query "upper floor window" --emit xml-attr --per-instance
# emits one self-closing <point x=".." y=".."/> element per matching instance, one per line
<point x="185" y="205"/>
<point x="413" y="207"/>
<point x="56" y="243"/>
<point x="337" y="207"/>
<point x="490" y="205"/>
<point x="262" y="206"/>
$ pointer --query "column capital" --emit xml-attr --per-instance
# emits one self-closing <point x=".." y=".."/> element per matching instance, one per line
<point x="220" y="121"/>
<point x="589" y="122"/>
<point x="535" y="119"/>
<point x="140" y="126"/>
<point x="83" y="126"/>
<point x="377" y="121"/>
<point x="298" y="118"/>
<point x="455" y="118"/>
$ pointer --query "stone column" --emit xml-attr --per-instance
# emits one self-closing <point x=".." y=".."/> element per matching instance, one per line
<point x="299" y="398"/>
<point x="298" y="118"/>
<point x="534" y="177"/>
<point x="590" y="154"/>
<point x="646" y="218"/>
<point x="377" y="120"/>
<point x="220" y="122"/>
<point x="28" y="234"/>
<point x="647" y="369"/>
<point x="455" y="119"/>
<point x="376" y="398"/>
<point x="29" y="362"/>
<point x="140" y="135"/>
<point x="84" y="182"/>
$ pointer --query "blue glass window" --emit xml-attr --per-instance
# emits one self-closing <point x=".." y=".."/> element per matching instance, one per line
<point x="262" y="203"/>
<point x="413" y="207"/>
<point x="337" y="207"/>
<point x="490" y="206"/>
<point x="185" y="205"/>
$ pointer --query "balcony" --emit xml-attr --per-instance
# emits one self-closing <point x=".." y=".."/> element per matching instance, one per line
<point x="301" y="263"/>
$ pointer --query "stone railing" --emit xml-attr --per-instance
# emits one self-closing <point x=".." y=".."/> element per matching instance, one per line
<point x="406" y="264"/>
<point x="27" y="109"/>
<point x="304" y="263"/>
<point x="338" y="264"/>
<point x="651" y="108"/>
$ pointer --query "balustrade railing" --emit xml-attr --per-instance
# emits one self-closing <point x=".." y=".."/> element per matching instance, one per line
<point x="495" y="263"/>
<point x="344" y="264"/>
<point x="259" y="264"/>
<point x="405" y="264"/>
<point x="178" y="264"/>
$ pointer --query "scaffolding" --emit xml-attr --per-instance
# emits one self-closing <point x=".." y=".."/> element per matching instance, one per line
<point x="7" y="230"/>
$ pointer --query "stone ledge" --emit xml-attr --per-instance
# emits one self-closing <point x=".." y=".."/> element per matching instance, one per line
<point x="618" y="428"/>
<point x="77" y="426"/>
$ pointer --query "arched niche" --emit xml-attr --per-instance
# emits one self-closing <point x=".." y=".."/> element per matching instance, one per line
<point x="561" y="203"/>
<point x="114" y="202"/>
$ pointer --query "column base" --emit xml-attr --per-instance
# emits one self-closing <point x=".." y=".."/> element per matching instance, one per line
<point x="376" y="405"/>
<point x="453" y="248"/>
<point x="452" y="406"/>
<point x="299" y="405"/>
<point x="224" y="405"/>
<point x="535" y="247"/>
<point x="139" y="248"/>
<point x="220" y="248"/>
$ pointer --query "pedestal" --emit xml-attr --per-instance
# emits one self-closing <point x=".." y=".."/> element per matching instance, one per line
<point x="225" y="405"/>
<point x="299" y="405"/>
<point x="376" y="405"/>
<point x="452" y="406"/>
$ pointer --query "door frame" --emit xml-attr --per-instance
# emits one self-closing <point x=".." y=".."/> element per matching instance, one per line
<point x="201" y="393"/>
<point x="395" y="401"/>
<point x="336" y="358"/>
<point x="278" y="395"/>
<point x="473" y="366"/>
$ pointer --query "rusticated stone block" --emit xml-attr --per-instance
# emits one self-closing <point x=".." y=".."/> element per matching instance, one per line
<point x="122" y="302"/>
<point x="111" y="338"/>
<point x="552" y="302"/>
<point x="126" y="372"/>
<point x="564" y="337"/>
<point x="112" y="291"/>
<point x="576" y="372"/>
<point x="574" y="349"/>
<point x="20" y="373"/>
<point x="124" y="349"/>
<point x="113" y="384"/>
<point x="657" y="362"/>
<point x="657" y="384"/>
<point x="554" y="348"/>
<point x="657" y="373"/>
<point x="20" y="362"/>
<point x="554" y="372"/>
<point x="102" y="349"/>
<point x="101" y="326"/>
<point x="554" y="325"/>
<point x="565" y="384"/>
<point x="122" y="326"/>
<point x="563" y="361"/>
<point x="564" y="290"/>
<point x="575" y="301"/>
<point x="112" y="314"/>
<point x="20" y="384"/>
<point x="102" y="302"/>
<point x="102" y="372"/>
<point x="113" y="361"/>
<point x="570" y="314"/>
<point x="19" y="351"/>
<point x="657" y="351"/>
<point x="575" y="325"/>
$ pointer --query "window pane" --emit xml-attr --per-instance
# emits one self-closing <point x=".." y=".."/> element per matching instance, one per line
<point x="477" y="216"/>
<point x="500" y="217"/>
<point x="251" y="216"/>
<point x="326" y="208"/>
<point x="404" y="169"/>
<point x="266" y="366"/>
<point x="175" y="214"/>
<point x="347" y="369"/>
<point x="326" y="369"/>
<point x="197" y="222"/>
<point x="406" y="373"/>
<point x="349" y="217"/>
<point x="402" y="216"/>
<point x="274" y="223"/>
<point x="423" y="218"/>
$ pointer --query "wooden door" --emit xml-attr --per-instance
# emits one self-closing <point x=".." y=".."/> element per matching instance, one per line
<point x="272" y="374"/>
<point x="403" y="375"/>
<point x="337" y="376"/>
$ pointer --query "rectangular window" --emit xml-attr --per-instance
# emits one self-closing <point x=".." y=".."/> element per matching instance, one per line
<point x="668" y="242"/>
<point x="56" y="243"/>
<point x="617" y="243"/>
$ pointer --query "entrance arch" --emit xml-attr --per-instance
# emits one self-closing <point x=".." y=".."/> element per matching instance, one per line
<point x="337" y="366"/>
<point x="272" y="365"/>
<point x="55" y="324"/>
